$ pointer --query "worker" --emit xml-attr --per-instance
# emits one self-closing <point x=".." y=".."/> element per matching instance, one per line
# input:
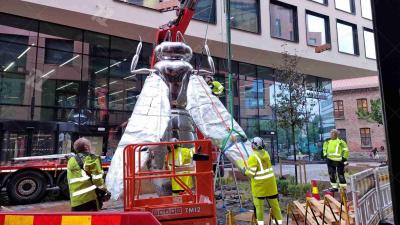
<point x="215" y="86"/>
<point x="183" y="158"/>
<point x="85" y="178"/>
<point x="336" y="152"/>
<point x="263" y="183"/>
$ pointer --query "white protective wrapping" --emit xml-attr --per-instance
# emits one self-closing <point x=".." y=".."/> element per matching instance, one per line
<point x="148" y="123"/>
<point x="214" y="121"/>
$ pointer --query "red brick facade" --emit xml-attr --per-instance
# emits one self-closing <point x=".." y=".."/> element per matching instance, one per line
<point x="352" y="124"/>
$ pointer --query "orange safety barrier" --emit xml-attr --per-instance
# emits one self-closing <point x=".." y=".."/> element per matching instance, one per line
<point x="70" y="218"/>
<point x="193" y="206"/>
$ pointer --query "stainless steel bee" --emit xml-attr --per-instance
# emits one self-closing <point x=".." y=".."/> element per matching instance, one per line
<point x="175" y="100"/>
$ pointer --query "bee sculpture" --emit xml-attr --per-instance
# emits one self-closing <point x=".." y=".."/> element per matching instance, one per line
<point x="175" y="100"/>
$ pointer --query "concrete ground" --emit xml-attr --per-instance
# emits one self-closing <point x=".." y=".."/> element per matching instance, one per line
<point x="318" y="171"/>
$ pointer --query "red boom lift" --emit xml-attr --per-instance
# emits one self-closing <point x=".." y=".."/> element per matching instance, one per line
<point x="190" y="208"/>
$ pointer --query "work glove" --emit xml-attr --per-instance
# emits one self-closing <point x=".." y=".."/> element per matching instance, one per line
<point x="345" y="163"/>
<point x="243" y="170"/>
<point x="107" y="196"/>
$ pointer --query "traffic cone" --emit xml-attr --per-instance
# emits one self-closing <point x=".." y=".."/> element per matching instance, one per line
<point x="314" y="190"/>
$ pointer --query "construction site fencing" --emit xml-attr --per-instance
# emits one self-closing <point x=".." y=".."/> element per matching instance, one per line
<point x="371" y="195"/>
<point x="385" y="196"/>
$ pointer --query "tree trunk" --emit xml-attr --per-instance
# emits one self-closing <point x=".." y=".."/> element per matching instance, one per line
<point x="295" y="155"/>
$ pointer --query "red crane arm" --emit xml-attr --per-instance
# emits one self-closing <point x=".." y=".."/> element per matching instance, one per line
<point x="185" y="14"/>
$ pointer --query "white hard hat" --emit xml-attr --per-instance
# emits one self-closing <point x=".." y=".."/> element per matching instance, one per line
<point x="257" y="143"/>
<point x="173" y="140"/>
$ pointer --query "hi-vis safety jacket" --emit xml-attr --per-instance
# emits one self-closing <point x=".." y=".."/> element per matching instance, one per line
<point x="263" y="182"/>
<point x="216" y="88"/>
<point x="83" y="182"/>
<point x="183" y="157"/>
<point x="335" y="150"/>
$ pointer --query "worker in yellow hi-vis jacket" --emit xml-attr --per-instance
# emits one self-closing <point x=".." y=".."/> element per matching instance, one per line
<point x="85" y="178"/>
<point x="183" y="158"/>
<point x="263" y="182"/>
<point x="336" y="152"/>
<point x="215" y="86"/>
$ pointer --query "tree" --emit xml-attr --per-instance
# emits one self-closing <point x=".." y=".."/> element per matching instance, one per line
<point x="291" y="99"/>
<point x="375" y="116"/>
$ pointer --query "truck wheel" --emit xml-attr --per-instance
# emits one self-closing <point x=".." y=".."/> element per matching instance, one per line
<point x="62" y="183"/>
<point x="26" y="187"/>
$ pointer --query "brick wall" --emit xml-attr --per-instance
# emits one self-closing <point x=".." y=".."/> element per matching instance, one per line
<point x="352" y="124"/>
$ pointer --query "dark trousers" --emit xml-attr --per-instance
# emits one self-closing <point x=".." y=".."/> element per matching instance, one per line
<point x="86" y="207"/>
<point x="336" y="169"/>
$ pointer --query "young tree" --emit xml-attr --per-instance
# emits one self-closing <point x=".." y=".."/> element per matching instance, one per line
<point x="375" y="116"/>
<point x="291" y="100"/>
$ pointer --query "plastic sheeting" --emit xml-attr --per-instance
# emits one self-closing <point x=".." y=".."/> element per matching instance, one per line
<point x="148" y="123"/>
<point x="214" y="121"/>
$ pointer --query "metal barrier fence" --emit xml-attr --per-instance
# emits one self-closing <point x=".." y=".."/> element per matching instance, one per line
<point x="371" y="195"/>
<point x="385" y="196"/>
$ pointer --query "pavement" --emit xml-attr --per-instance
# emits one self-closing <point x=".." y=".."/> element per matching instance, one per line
<point x="318" y="171"/>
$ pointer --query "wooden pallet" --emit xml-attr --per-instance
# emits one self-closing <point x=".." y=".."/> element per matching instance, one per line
<point x="312" y="212"/>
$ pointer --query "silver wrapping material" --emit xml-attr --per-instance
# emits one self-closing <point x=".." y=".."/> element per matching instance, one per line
<point x="214" y="121"/>
<point x="148" y="123"/>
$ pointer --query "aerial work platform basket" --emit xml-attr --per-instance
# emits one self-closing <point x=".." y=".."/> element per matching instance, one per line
<point x="191" y="206"/>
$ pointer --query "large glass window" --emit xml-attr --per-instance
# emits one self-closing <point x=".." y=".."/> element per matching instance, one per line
<point x="345" y="5"/>
<point x="18" y="43"/>
<point x="317" y="29"/>
<point x="205" y="11"/>
<point x="283" y="21"/>
<point x="347" y="37"/>
<point x="366" y="11"/>
<point x="326" y="107"/>
<point x="58" y="57"/>
<point x="369" y="44"/>
<point x="245" y="15"/>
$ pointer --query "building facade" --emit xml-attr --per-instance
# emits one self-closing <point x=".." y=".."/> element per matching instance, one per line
<point x="65" y="67"/>
<point x="350" y="96"/>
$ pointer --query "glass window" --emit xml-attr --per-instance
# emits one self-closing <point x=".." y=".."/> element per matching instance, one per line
<point x="58" y="37"/>
<point x="326" y="107"/>
<point x="205" y="11"/>
<point x="58" y="57"/>
<point x="19" y="27"/>
<point x="366" y="11"/>
<point x="265" y="91"/>
<point x="345" y="5"/>
<point x="18" y="41"/>
<point x="362" y="104"/>
<point x="342" y="134"/>
<point x="248" y="87"/>
<point x="347" y="37"/>
<point x="12" y="88"/>
<point x="365" y="135"/>
<point x="145" y="3"/>
<point x="338" y="109"/>
<point x="324" y="2"/>
<point x="369" y="43"/>
<point x="96" y="44"/>
<point x="245" y="14"/>
<point x="317" y="29"/>
<point x="283" y="21"/>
